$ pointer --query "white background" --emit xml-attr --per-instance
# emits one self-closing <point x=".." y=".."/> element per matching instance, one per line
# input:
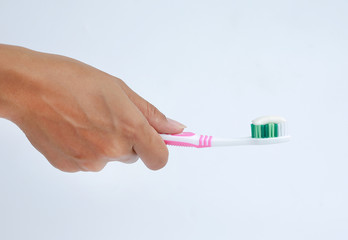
<point x="214" y="65"/>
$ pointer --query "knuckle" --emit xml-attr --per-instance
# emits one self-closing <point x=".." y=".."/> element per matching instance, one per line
<point x="154" y="114"/>
<point x="64" y="164"/>
<point x="92" y="166"/>
<point x="115" y="149"/>
<point x="131" y="131"/>
<point x="119" y="80"/>
<point x="87" y="159"/>
<point x="92" y="151"/>
<point x="79" y="152"/>
<point x="150" y="109"/>
<point x="70" y="170"/>
<point x="106" y="148"/>
<point x="128" y="126"/>
<point x="132" y="159"/>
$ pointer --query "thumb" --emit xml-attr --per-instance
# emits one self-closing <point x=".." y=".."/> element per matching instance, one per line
<point x="156" y="119"/>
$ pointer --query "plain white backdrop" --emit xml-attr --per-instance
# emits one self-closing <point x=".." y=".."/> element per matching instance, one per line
<point x="213" y="65"/>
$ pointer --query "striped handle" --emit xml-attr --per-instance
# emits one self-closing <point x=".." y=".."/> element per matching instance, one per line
<point x="187" y="139"/>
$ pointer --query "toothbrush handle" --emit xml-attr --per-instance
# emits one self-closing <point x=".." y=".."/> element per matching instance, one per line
<point x="187" y="139"/>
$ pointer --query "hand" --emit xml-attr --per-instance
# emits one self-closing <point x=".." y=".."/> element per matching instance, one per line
<point x="77" y="116"/>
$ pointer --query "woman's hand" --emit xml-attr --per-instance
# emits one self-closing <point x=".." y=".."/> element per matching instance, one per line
<point x="77" y="116"/>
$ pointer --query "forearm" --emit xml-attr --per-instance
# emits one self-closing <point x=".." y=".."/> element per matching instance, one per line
<point x="11" y="68"/>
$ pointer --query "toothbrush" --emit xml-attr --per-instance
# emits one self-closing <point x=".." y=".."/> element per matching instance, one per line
<point x="264" y="130"/>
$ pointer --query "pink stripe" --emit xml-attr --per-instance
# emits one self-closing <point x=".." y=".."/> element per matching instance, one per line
<point x="182" y="144"/>
<point x="184" y="134"/>
<point x="209" y="141"/>
<point x="205" y="140"/>
<point x="200" y="141"/>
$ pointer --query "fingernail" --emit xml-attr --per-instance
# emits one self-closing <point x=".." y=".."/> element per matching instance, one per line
<point x="176" y="123"/>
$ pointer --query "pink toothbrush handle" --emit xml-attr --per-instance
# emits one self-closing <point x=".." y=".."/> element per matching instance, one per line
<point x="187" y="139"/>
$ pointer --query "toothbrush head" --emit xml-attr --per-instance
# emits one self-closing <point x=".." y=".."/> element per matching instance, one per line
<point x="268" y="127"/>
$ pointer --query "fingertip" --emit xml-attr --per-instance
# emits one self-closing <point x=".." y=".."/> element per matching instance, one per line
<point x="172" y="127"/>
<point x="176" y="123"/>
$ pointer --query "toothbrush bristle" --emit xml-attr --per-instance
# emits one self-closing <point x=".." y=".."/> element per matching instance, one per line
<point x="268" y="130"/>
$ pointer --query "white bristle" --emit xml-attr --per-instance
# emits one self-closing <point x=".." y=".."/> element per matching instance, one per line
<point x="279" y="129"/>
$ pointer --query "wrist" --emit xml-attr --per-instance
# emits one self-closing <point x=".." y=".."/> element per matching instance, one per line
<point x="11" y="74"/>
